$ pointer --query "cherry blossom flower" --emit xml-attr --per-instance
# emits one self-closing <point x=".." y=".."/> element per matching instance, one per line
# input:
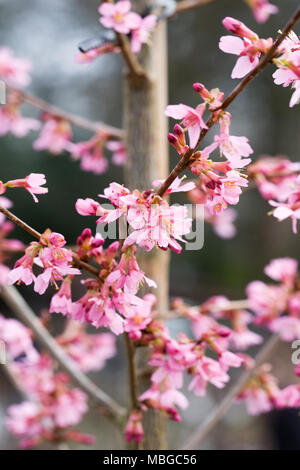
<point x="11" y="119"/>
<point x="13" y="70"/>
<point x="190" y="118"/>
<point x="288" y="64"/>
<point x="55" y="135"/>
<point x="134" y="428"/>
<point x="118" y="149"/>
<point x="262" y="9"/>
<point x="276" y="177"/>
<point x="153" y="221"/>
<point x="119" y="17"/>
<point x="50" y="255"/>
<point x="17" y="338"/>
<point x="141" y="34"/>
<point x="91" y="154"/>
<point x="249" y="48"/>
<point x="89" y="351"/>
<point x="32" y="183"/>
<point x="261" y="392"/>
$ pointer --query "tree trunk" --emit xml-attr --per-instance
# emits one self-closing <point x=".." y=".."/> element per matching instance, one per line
<point x="147" y="148"/>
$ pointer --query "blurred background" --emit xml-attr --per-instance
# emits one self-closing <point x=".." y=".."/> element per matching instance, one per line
<point x="47" y="33"/>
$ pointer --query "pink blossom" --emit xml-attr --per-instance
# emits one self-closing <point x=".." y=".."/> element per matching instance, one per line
<point x="290" y="209"/>
<point x="91" y="154"/>
<point x="62" y="301"/>
<point x="141" y="34"/>
<point x="288" y="328"/>
<point x="87" y="206"/>
<point x="282" y="270"/>
<point x="191" y="118"/>
<point x="13" y="70"/>
<point x="134" y="428"/>
<point x="17" y="338"/>
<point x="32" y="183"/>
<point x="208" y="370"/>
<point x="89" y="351"/>
<point x="24" y="419"/>
<point x="249" y="48"/>
<point x="69" y="408"/>
<point x="223" y="223"/>
<point x="262" y="9"/>
<point x="119" y="151"/>
<point x="119" y="17"/>
<point x="266" y="301"/>
<point x="55" y="136"/>
<point x="213" y="98"/>
<point x="11" y="119"/>
<point x="289" y="397"/>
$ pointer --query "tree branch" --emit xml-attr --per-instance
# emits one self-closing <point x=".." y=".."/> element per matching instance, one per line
<point x="136" y="71"/>
<point x="77" y="121"/>
<point x="35" y="234"/>
<point x="210" y="422"/>
<point x="133" y="381"/>
<point x="266" y="60"/>
<point x="20" y="308"/>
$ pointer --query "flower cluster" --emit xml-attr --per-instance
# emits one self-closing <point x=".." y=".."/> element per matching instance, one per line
<point x="91" y="153"/>
<point x="14" y="71"/>
<point x="261" y="393"/>
<point x="278" y="306"/>
<point x="109" y="301"/>
<point x="171" y="358"/>
<point x="121" y="19"/>
<point x="52" y="407"/>
<point x="11" y="119"/>
<point x="153" y="221"/>
<point x="56" y="133"/>
<point x="90" y="352"/>
<point x="278" y="181"/>
<point x="248" y="46"/>
<point x="49" y="254"/>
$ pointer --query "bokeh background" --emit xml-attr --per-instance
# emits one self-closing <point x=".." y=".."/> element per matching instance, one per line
<point x="48" y="33"/>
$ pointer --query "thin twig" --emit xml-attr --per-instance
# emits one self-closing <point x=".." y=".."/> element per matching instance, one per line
<point x="77" y="121"/>
<point x="186" y="5"/>
<point x="19" y="307"/>
<point x="35" y="234"/>
<point x="202" y="431"/>
<point x="266" y="60"/>
<point x="135" y="69"/>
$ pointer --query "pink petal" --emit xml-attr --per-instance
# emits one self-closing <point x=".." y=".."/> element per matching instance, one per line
<point x="231" y="45"/>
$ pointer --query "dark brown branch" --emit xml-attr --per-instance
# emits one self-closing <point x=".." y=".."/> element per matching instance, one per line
<point x="77" y="121"/>
<point x="35" y="234"/>
<point x="266" y="60"/>
<point x="202" y="431"/>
